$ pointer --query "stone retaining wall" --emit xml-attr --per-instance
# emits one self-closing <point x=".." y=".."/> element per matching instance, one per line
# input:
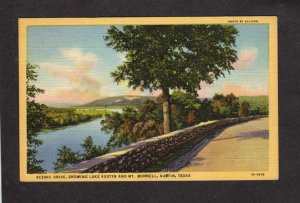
<point x="137" y="156"/>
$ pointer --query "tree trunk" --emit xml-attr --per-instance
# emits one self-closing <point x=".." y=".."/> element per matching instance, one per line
<point x="166" y="110"/>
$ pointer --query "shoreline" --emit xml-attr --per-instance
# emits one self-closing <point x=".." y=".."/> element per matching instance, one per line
<point x="48" y="130"/>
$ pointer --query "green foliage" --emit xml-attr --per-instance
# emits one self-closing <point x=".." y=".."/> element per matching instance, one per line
<point x="191" y="119"/>
<point x="135" y="124"/>
<point x="69" y="116"/>
<point x="173" y="56"/>
<point x="36" y="119"/>
<point x="184" y="107"/>
<point x="205" y="112"/>
<point x="151" y="110"/>
<point x="67" y="157"/>
<point x="121" y="126"/>
<point x="185" y="100"/>
<point x="91" y="150"/>
<point x="225" y="106"/>
<point x="244" y="109"/>
<point x="258" y="104"/>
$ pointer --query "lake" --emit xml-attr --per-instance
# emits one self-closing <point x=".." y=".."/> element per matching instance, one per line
<point x="72" y="137"/>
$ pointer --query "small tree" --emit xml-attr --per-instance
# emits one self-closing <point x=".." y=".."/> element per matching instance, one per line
<point x="121" y="125"/>
<point x="225" y="106"/>
<point x="244" y="109"/>
<point x="172" y="57"/>
<point x="91" y="150"/>
<point x="191" y="119"/>
<point x="233" y="105"/>
<point x="66" y="157"/>
<point x="206" y="111"/>
<point x="185" y="108"/>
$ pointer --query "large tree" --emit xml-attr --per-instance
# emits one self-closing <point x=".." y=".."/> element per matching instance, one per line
<point x="168" y="57"/>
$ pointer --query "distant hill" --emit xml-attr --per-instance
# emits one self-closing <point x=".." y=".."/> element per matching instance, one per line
<point x="128" y="100"/>
<point x="125" y="100"/>
<point x="255" y="102"/>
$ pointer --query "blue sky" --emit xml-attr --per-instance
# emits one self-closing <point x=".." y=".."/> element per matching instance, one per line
<point x="75" y="64"/>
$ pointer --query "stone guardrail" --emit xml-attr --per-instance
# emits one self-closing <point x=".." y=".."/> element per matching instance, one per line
<point x="137" y="156"/>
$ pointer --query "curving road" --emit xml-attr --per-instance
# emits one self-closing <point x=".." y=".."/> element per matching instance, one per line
<point x="242" y="147"/>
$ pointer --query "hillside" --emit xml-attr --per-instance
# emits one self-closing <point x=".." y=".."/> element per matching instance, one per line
<point x="126" y="100"/>
<point x="261" y="102"/>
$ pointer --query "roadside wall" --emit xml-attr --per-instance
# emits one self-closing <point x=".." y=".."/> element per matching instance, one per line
<point x="137" y="156"/>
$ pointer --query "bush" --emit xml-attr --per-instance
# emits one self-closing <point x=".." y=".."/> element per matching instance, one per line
<point x="67" y="157"/>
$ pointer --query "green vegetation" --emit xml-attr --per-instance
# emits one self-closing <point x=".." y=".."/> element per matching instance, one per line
<point x="139" y="123"/>
<point x="36" y="120"/>
<point x="225" y="106"/>
<point x="257" y="103"/>
<point x="135" y="124"/>
<point x="67" y="157"/>
<point x="96" y="107"/>
<point x="60" y="117"/>
<point x="172" y="57"/>
<point x="92" y="112"/>
<point x="244" y="109"/>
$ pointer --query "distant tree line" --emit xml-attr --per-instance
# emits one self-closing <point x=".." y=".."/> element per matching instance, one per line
<point x="59" y="117"/>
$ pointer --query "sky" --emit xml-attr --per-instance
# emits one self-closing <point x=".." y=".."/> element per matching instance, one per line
<point x="75" y="65"/>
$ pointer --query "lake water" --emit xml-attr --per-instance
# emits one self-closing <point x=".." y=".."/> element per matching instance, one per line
<point x="72" y="137"/>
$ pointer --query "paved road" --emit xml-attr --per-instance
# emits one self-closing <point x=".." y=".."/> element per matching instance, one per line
<point x="242" y="147"/>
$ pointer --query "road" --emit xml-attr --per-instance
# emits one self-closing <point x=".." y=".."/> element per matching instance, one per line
<point x="242" y="147"/>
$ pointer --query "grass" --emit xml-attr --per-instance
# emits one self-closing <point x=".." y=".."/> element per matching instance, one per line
<point x="62" y="117"/>
<point x="92" y="112"/>
<point x="256" y="101"/>
<point x="96" y="107"/>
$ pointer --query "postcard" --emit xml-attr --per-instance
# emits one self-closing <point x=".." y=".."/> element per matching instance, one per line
<point x="148" y="99"/>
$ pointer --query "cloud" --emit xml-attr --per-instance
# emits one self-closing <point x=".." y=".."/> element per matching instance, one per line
<point x="78" y="79"/>
<point x="81" y="85"/>
<point x="156" y="93"/>
<point x="83" y="61"/>
<point x="123" y="83"/>
<point x="71" y="96"/>
<point x="245" y="57"/>
<point x="135" y="92"/>
<point x="240" y="90"/>
<point x="122" y="57"/>
<point x="205" y="91"/>
<point x="129" y="90"/>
